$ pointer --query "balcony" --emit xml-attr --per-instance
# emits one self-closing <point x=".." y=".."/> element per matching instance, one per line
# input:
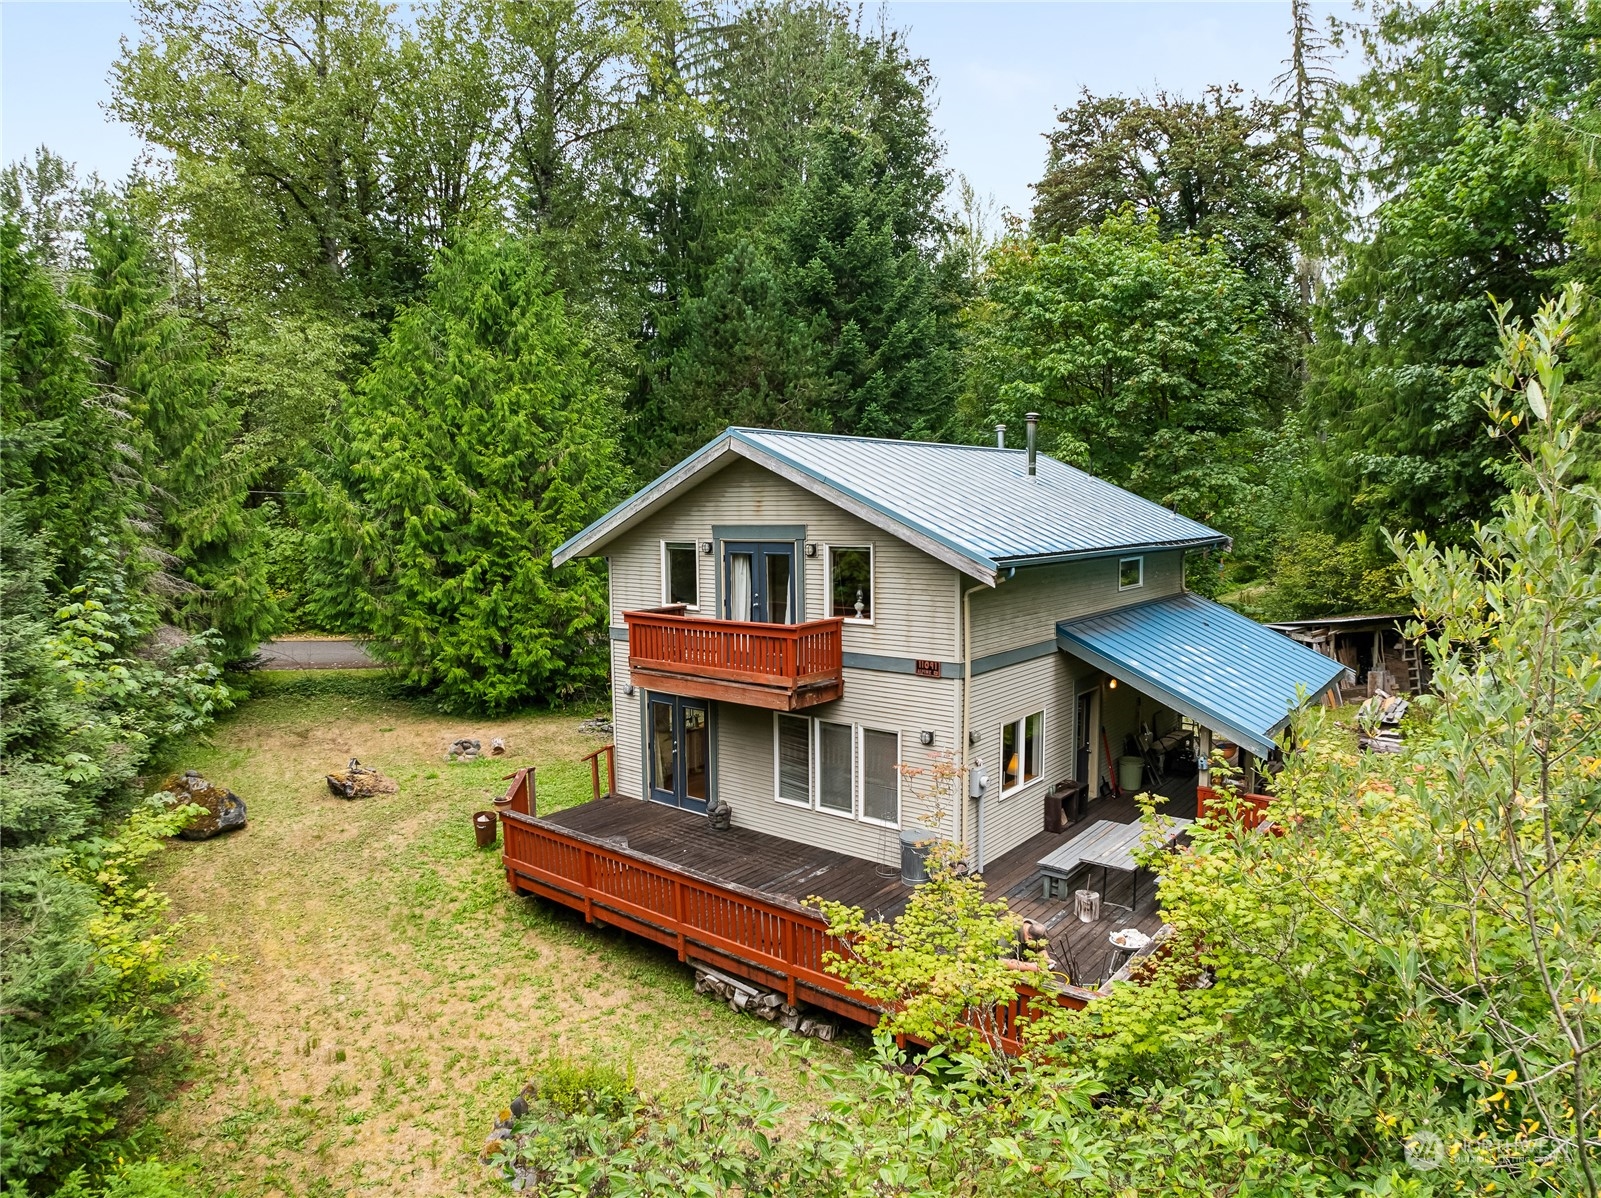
<point x="783" y="667"/>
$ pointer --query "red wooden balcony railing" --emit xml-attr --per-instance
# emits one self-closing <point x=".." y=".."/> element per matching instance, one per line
<point x="1252" y="807"/>
<point x="779" y="666"/>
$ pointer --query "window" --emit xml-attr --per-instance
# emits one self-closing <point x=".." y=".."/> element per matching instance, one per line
<point x="881" y="777"/>
<point x="1130" y="573"/>
<point x="794" y="753"/>
<point x="1022" y="752"/>
<point x="843" y="769"/>
<point x="836" y="767"/>
<point x="680" y="573"/>
<point x="850" y="583"/>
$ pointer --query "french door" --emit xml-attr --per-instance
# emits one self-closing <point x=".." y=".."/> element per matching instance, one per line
<point x="759" y="581"/>
<point x="680" y="751"/>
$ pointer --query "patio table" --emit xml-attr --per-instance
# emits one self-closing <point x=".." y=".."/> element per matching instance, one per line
<point x="1107" y="844"/>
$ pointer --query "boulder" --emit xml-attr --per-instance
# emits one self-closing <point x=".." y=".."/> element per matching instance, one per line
<point x="497" y="747"/>
<point x="360" y="782"/>
<point x="465" y="749"/>
<point x="224" y="810"/>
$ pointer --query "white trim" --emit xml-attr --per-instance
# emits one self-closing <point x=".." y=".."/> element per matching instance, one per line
<point x="778" y="761"/>
<point x="667" y="577"/>
<point x="1132" y="586"/>
<point x="861" y="786"/>
<point x="872" y="583"/>
<point x="1023" y="780"/>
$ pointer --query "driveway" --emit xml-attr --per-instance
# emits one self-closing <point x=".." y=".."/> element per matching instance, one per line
<point x="314" y="654"/>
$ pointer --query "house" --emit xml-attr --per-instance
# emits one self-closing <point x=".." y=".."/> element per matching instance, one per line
<point x="849" y="642"/>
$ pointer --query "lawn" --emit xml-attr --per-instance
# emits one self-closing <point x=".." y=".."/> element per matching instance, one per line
<point x="379" y="992"/>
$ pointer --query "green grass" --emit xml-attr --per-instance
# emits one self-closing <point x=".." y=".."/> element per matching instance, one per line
<point x="380" y="992"/>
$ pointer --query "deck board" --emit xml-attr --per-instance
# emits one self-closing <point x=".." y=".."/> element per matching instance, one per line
<point x="796" y="871"/>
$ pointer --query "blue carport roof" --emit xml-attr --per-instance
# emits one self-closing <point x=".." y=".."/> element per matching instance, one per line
<point x="1205" y="661"/>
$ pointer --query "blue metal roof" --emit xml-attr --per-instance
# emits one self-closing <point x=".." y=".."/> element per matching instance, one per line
<point x="1214" y="665"/>
<point x="974" y="506"/>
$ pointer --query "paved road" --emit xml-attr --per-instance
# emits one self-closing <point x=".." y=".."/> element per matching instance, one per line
<point x="315" y="655"/>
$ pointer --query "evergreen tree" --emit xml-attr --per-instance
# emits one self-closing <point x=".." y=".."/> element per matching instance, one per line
<point x="186" y="430"/>
<point x="481" y="438"/>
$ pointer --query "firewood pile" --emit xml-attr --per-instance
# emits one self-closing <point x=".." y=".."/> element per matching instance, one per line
<point x="741" y="995"/>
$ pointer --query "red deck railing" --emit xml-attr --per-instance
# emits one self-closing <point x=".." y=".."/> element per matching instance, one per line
<point x="610" y="754"/>
<point x="1253" y="807"/>
<point x="783" y="666"/>
<point x="763" y="938"/>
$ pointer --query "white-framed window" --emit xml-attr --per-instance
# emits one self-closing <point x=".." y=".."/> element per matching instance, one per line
<point x="850" y="582"/>
<point x="680" y="574"/>
<point x="792" y="758"/>
<point x="842" y="769"/>
<point x="1130" y="573"/>
<point x="1022" y="752"/>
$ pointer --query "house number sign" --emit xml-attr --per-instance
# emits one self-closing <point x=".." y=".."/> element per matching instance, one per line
<point x="928" y="669"/>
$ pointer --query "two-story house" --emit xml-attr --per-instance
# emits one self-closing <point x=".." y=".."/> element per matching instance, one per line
<point x="815" y="630"/>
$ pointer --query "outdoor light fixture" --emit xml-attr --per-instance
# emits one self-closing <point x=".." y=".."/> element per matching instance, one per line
<point x="926" y="737"/>
<point x="1111" y="684"/>
<point x="811" y="548"/>
<point x="972" y="738"/>
<point x="706" y="548"/>
<point x="629" y="690"/>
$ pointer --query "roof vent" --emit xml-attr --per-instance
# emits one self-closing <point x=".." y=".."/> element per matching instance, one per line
<point x="1000" y="436"/>
<point x="1033" y="419"/>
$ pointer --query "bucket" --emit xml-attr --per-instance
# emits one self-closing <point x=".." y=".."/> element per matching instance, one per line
<point x="1130" y="773"/>
<point x="914" y="855"/>
<point x="484" y="828"/>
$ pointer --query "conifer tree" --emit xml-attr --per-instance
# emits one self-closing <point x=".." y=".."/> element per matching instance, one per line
<point x="481" y="438"/>
<point x="186" y="431"/>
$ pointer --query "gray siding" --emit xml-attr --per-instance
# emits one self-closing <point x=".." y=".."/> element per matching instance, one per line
<point x="914" y="595"/>
<point x="1024" y="610"/>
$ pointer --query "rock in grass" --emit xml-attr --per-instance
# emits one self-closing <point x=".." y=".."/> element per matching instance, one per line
<point x="224" y="810"/>
<point x="359" y="782"/>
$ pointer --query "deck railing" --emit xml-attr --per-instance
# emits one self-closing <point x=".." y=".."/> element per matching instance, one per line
<point x="610" y="754"/>
<point x="783" y="658"/>
<point x="762" y="938"/>
<point x="1252" y="807"/>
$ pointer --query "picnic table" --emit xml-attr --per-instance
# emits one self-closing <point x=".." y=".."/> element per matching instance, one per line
<point x="1107" y="844"/>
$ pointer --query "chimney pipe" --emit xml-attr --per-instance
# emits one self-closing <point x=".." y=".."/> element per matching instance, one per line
<point x="1033" y="419"/>
<point x="1000" y="436"/>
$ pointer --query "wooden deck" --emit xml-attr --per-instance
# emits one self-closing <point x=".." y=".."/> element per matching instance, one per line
<point x="735" y="898"/>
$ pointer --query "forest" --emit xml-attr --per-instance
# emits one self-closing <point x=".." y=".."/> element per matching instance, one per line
<point x="405" y="299"/>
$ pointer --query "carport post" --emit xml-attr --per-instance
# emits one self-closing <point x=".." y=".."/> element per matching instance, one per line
<point x="1204" y="764"/>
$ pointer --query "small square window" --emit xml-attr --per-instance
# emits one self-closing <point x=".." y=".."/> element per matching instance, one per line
<point x="680" y="574"/>
<point x="1130" y="573"/>
<point x="850" y="574"/>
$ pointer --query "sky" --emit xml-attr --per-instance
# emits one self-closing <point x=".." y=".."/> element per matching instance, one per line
<point x="1004" y="70"/>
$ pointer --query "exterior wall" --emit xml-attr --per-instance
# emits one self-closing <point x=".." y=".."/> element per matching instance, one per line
<point x="888" y="702"/>
<point x="1018" y="670"/>
<point x="915" y="599"/>
<point x="914" y="595"/>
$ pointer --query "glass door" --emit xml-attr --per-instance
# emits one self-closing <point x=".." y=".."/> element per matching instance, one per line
<point x="759" y="581"/>
<point x="680" y="752"/>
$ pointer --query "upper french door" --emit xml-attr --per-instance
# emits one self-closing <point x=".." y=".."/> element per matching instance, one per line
<point x="759" y="581"/>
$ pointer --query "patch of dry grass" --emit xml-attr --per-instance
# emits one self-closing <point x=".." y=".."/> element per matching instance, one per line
<point x="381" y="992"/>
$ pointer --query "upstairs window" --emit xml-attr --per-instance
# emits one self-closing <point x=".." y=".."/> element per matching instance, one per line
<point x="680" y="573"/>
<point x="1130" y="573"/>
<point x="850" y="582"/>
<point x="1022" y="752"/>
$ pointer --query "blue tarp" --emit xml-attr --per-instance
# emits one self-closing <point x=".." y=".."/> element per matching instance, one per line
<point x="1203" y="660"/>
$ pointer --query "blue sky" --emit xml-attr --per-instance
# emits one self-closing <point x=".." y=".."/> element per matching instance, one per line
<point x="1004" y="69"/>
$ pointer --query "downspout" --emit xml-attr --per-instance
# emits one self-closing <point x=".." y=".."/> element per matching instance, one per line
<point x="967" y="707"/>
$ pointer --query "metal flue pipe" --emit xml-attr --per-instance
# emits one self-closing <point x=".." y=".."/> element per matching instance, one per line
<point x="1033" y="419"/>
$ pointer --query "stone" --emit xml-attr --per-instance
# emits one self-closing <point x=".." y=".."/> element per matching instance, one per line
<point x="720" y="815"/>
<point x="464" y="749"/>
<point x="224" y="810"/>
<point x="360" y="782"/>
